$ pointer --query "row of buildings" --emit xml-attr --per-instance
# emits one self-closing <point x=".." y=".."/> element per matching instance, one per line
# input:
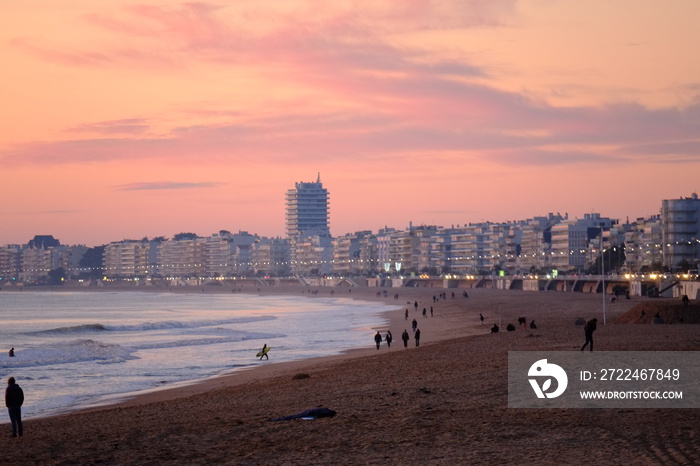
<point x="669" y="241"/>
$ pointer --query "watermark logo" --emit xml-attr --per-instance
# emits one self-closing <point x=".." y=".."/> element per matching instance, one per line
<point x="547" y="371"/>
<point x="604" y="379"/>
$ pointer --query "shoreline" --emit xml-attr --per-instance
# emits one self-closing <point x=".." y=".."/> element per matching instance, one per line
<point x="252" y="374"/>
<point x="252" y="371"/>
<point x="395" y="319"/>
<point x="444" y="402"/>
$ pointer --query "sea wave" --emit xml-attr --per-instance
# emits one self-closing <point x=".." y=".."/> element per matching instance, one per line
<point x="148" y="326"/>
<point x="88" y="350"/>
<point x="70" y="352"/>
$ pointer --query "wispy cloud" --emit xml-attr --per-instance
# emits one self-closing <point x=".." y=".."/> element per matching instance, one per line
<point x="132" y="126"/>
<point x="373" y="95"/>
<point x="41" y="212"/>
<point x="166" y="185"/>
<point x="485" y="124"/>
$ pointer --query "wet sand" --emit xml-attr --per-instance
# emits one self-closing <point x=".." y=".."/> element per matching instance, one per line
<point x="444" y="402"/>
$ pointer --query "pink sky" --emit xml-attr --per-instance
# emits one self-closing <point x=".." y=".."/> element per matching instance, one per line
<point x="123" y="120"/>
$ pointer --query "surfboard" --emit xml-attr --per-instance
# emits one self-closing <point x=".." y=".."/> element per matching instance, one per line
<point x="260" y="353"/>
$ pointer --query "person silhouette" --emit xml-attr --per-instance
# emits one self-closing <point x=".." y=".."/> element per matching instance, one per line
<point x="14" y="398"/>
<point x="588" y="331"/>
<point x="404" y="337"/>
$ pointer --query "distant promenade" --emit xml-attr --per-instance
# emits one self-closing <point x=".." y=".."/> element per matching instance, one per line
<point x="666" y="286"/>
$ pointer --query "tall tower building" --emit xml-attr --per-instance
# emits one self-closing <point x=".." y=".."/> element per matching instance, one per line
<point x="307" y="228"/>
<point x="307" y="210"/>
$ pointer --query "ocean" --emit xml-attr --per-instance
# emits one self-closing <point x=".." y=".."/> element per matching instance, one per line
<point x="75" y="349"/>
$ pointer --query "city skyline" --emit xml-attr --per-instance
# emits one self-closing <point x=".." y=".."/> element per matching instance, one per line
<point x="155" y="118"/>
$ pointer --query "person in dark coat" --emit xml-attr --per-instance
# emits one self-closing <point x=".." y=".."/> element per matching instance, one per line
<point x="417" y="337"/>
<point x="14" y="398"/>
<point x="389" y="338"/>
<point x="378" y="339"/>
<point x="404" y="337"/>
<point x="588" y="330"/>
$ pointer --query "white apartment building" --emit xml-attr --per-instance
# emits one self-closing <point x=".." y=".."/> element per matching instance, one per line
<point x="536" y="242"/>
<point x="680" y="232"/>
<point x="346" y="253"/>
<point x="69" y="259"/>
<point x="570" y="241"/>
<point x="472" y="251"/>
<point x="405" y="248"/>
<point x="184" y="258"/>
<point x="270" y="256"/>
<point x="37" y="262"/>
<point x="10" y="262"/>
<point x="438" y="251"/>
<point x="218" y="255"/>
<point x="369" y="255"/>
<point x="313" y="256"/>
<point x="643" y="250"/>
<point x="130" y="258"/>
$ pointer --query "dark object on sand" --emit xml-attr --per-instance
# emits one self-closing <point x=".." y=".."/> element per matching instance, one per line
<point x="314" y="413"/>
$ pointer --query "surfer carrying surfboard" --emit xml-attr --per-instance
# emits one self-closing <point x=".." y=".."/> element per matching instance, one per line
<point x="263" y="352"/>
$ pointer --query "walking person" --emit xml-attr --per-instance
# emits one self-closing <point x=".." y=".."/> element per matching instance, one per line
<point x="404" y="337"/>
<point x="406" y="313"/>
<point x="14" y="397"/>
<point x="263" y="352"/>
<point x="588" y="330"/>
<point x="378" y="339"/>
<point x="414" y="325"/>
<point x="417" y="337"/>
<point x="388" y="338"/>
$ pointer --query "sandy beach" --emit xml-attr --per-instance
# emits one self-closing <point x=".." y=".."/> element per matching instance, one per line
<point x="444" y="402"/>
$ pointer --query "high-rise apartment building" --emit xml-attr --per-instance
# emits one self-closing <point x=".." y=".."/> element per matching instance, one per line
<point x="307" y="224"/>
<point x="307" y="210"/>
<point x="680" y="231"/>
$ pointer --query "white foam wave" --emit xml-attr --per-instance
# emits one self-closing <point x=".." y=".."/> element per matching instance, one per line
<point x="69" y="352"/>
<point x="149" y="326"/>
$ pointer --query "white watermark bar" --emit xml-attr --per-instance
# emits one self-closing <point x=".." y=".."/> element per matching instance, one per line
<point x="604" y="379"/>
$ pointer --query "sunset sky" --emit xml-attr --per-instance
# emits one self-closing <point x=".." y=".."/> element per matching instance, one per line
<point x="122" y="120"/>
